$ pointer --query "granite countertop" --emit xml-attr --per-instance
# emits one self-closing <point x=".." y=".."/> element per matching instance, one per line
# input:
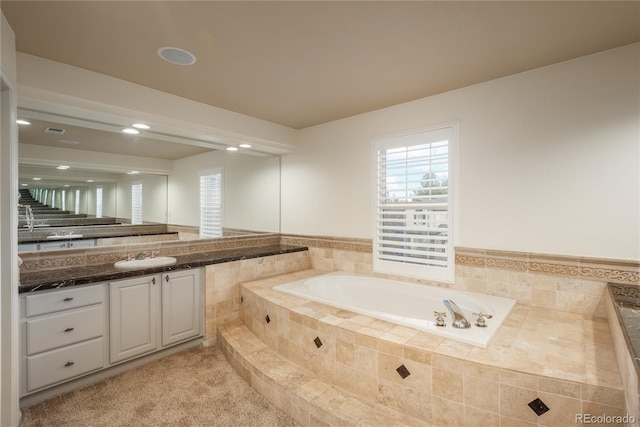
<point x="627" y="301"/>
<point x="92" y="235"/>
<point x="53" y="279"/>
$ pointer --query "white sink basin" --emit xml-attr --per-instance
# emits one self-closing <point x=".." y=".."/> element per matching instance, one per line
<point x="66" y="236"/>
<point x="160" y="261"/>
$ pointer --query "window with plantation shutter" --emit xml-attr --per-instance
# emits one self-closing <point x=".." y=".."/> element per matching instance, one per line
<point x="211" y="203"/>
<point x="413" y="203"/>
<point x="99" y="202"/>
<point x="136" y="203"/>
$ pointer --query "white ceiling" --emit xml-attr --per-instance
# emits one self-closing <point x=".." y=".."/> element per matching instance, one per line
<point x="91" y="139"/>
<point x="304" y="63"/>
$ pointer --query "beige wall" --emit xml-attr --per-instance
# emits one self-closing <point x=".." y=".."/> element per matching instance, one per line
<point x="154" y="197"/>
<point x="548" y="161"/>
<point x="251" y="190"/>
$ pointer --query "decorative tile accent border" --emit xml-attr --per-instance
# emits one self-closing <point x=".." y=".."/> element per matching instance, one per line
<point x="605" y="270"/>
<point x="626" y="293"/>
<point x="579" y="267"/>
<point x="583" y="268"/>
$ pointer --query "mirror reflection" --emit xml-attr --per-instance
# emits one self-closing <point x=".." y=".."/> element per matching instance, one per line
<point x="74" y="175"/>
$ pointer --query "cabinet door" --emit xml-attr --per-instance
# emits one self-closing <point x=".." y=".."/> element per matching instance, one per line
<point x="133" y="317"/>
<point x="181" y="306"/>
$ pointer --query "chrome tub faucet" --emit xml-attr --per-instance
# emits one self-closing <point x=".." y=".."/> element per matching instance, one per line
<point x="459" y="321"/>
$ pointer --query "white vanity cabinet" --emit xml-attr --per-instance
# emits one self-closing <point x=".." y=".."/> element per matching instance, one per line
<point x="151" y="312"/>
<point x="72" y="333"/>
<point x="62" y="335"/>
<point x="182" y="306"/>
<point x="133" y="318"/>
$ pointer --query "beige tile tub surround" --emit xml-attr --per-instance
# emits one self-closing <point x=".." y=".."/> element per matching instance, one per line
<point x="222" y="284"/>
<point x="565" y="359"/>
<point x="572" y="284"/>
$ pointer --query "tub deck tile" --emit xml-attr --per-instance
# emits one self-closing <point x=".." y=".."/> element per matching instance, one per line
<point x="535" y="340"/>
<point x="537" y="353"/>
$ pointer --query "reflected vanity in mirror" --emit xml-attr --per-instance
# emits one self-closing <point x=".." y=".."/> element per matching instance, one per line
<point x="92" y="184"/>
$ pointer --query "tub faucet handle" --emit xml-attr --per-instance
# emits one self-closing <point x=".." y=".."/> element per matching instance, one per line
<point x="480" y="321"/>
<point x="440" y="318"/>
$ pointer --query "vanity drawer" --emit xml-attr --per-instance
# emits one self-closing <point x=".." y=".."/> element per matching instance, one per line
<point x="68" y="327"/>
<point x="59" y="300"/>
<point x="64" y="363"/>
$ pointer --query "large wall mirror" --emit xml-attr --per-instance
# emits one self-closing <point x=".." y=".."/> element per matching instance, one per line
<point x="101" y="167"/>
<point x="83" y="194"/>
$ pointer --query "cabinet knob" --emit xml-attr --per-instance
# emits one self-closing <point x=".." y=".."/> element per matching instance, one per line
<point x="153" y="280"/>
<point x="68" y="299"/>
<point x="166" y="277"/>
<point x="66" y="365"/>
<point x="69" y="329"/>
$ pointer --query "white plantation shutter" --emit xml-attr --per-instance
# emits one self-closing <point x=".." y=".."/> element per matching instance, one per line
<point x="211" y="203"/>
<point x="99" y="202"/>
<point x="136" y="203"/>
<point x="413" y="204"/>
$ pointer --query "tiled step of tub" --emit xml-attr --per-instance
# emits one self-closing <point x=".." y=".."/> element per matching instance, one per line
<point x="308" y="399"/>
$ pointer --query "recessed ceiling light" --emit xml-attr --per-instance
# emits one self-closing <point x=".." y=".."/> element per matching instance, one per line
<point x="22" y="122"/>
<point x="133" y="172"/>
<point x="177" y="56"/>
<point x="140" y="126"/>
<point x="67" y="185"/>
<point x="36" y="179"/>
<point x="130" y="131"/>
<point x="55" y="131"/>
<point x="63" y="167"/>
<point x="89" y="180"/>
<point x="245" y="145"/>
<point x="25" y="185"/>
<point x="232" y="149"/>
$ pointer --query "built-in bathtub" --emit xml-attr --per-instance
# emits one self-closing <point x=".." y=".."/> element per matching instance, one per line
<point x="313" y="359"/>
<point x="406" y="304"/>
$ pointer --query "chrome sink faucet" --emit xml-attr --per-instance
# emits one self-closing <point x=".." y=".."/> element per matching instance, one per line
<point x="459" y="321"/>
<point x="141" y="255"/>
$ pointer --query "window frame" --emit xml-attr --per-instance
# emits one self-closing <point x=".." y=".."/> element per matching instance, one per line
<point x="404" y="139"/>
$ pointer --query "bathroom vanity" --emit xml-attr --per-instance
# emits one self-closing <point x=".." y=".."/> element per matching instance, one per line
<point x="69" y="333"/>
<point x="83" y="318"/>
